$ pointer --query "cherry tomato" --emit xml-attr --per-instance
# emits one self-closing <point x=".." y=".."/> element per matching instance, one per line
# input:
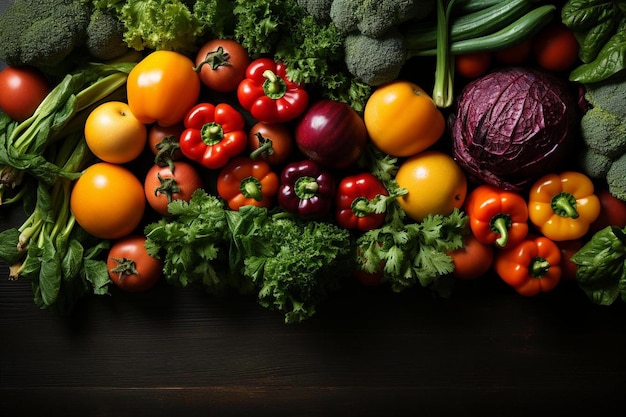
<point x="163" y="185"/>
<point x="612" y="212"/>
<point x="472" y="65"/>
<point x="22" y="89"/>
<point x="568" y="248"/>
<point x="281" y="146"/>
<point x="130" y="266"/>
<point x="222" y="64"/>
<point x="164" y="141"/>
<point x="108" y="201"/>
<point x="555" y="47"/>
<point x="473" y="260"/>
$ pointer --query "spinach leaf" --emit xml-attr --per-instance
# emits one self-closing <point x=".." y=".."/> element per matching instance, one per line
<point x="599" y="27"/>
<point x="601" y="263"/>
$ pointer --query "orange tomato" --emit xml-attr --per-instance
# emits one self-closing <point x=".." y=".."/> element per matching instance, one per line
<point x="114" y="134"/>
<point x="162" y="87"/>
<point x="436" y="184"/>
<point x="472" y="65"/>
<point x="402" y="119"/>
<point x="473" y="260"/>
<point x="555" y="47"/>
<point x="108" y="201"/>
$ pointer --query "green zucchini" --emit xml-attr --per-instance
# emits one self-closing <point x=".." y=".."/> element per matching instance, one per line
<point x="517" y="31"/>
<point x="468" y="26"/>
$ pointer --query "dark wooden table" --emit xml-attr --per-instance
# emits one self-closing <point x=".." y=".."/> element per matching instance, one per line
<point x="368" y="352"/>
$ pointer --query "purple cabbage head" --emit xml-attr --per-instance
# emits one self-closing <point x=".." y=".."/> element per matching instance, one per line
<point x="512" y="126"/>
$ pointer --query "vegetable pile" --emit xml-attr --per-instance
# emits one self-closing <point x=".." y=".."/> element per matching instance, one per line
<point x="281" y="148"/>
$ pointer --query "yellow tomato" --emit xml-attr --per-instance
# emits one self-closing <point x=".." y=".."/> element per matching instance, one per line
<point x="162" y="87"/>
<point x="402" y="119"/>
<point x="108" y="201"/>
<point x="114" y="134"/>
<point x="436" y="184"/>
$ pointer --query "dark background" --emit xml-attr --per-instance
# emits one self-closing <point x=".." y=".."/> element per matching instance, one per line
<point x="368" y="352"/>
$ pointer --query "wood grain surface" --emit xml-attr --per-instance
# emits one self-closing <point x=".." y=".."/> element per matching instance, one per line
<point x="368" y="352"/>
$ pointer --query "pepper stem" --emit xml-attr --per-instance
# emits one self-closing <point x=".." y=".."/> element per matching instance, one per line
<point x="306" y="187"/>
<point x="274" y="87"/>
<point x="212" y="133"/>
<point x="564" y="204"/>
<point x="250" y="187"/>
<point x="500" y="225"/>
<point x="361" y="207"/>
<point x="538" y="267"/>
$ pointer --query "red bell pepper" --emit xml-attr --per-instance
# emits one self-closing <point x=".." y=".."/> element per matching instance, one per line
<point x="497" y="216"/>
<point x="213" y="135"/>
<point x="357" y="202"/>
<point x="269" y="95"/>
<point x="306" y="189"/>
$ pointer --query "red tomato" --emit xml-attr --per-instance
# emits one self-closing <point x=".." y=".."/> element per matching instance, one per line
<point x="22" y="89"/>
<point x="164" y="140"/>
<point x="282" y="142"/>
<point x="612" y="212"/>
<point x="222" y="64"/>
<point x="163" y="185"/>
<point x="130" y="266"/>
<point x="568" y="248"/>
<point x="472" y="65"/>
<point x="473" y="260"/>
<point x="555" y="47"/>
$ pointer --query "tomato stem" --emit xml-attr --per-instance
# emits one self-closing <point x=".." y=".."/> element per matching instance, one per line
<point x="214" y="59"/>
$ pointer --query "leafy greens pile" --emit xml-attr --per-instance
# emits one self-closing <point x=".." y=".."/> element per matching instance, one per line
<point x="311" y="49"/>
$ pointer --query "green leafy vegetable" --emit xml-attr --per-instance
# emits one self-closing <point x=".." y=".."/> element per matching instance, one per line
<point x="600" y="28"/>
<point x="295" y="263"/>
<point x="413" y="253"/>
<point x="191" y="243"/>
<point x="601" y="272"/>
<point x="41" y="156"/>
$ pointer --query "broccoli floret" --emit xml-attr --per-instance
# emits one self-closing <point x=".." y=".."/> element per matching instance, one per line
<point x="595" y="164"/>
<point x="375" y="61"/>
<point x="609" y="94"/>
<point x="42" y="33"/>
<point x="616" y="178"/>
<point x="54" y="35"/>
<point x="105" y="36"/>
<point x="374" y="18"/>
<point x="319" y="9"/>
<point x="604" y="131"/>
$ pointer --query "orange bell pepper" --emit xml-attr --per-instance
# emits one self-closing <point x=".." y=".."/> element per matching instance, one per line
<point x="497" y="216"/>
<point x="244" y="181"/>
<point x="530" y="267"/>
<point x="563" y="206"/>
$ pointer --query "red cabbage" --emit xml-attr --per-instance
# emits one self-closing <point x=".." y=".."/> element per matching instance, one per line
<point x="511" y="126"/>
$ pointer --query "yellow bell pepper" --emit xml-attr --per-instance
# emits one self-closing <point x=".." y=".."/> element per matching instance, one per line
<point x="563" y="206"/>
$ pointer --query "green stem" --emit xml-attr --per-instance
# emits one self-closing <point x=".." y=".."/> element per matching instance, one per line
<point x="443" y="91"/>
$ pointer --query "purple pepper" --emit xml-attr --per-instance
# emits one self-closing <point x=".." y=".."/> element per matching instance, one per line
<point x="306" y="189"/>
